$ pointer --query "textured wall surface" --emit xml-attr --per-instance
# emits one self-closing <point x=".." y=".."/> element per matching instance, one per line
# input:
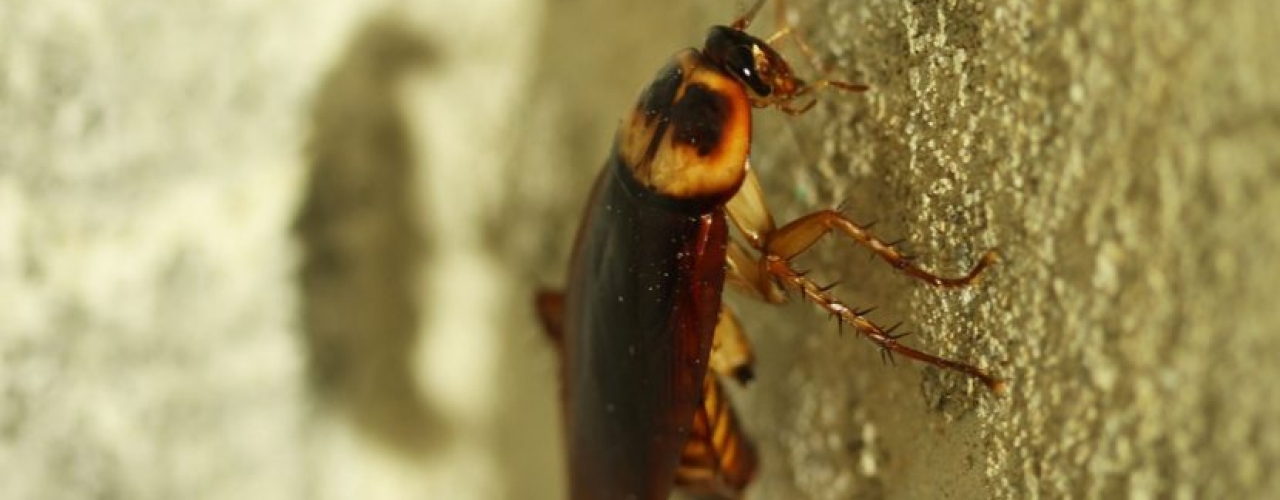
<point x="1125" y="159"/>
<point x="286" y="250"/>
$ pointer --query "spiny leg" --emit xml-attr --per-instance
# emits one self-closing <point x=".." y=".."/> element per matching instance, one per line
<point x="779" y="267"/>
<point x="796" y="237"/>
<point x="749" y="214"/>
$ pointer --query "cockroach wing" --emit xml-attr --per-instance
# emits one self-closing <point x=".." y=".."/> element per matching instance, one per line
<point x="639" y="313"/>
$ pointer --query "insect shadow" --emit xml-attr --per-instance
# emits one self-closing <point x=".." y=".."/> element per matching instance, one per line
<point x="362" y="243"/>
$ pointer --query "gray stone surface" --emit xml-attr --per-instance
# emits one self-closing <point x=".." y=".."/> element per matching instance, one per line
<point x="286" y="250"/>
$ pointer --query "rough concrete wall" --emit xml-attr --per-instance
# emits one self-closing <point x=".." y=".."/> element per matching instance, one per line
<point x="1125" y="160"/>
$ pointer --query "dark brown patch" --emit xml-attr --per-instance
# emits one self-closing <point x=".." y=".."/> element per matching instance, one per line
<point x="699" y="118"/>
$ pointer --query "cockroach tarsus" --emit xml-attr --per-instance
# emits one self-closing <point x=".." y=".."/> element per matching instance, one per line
<point x="643" y="336"/>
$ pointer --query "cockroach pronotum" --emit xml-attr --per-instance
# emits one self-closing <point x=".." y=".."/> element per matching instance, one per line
<point x="643" y="337"/>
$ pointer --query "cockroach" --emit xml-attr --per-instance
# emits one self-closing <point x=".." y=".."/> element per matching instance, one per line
<point x="642" y="335"/>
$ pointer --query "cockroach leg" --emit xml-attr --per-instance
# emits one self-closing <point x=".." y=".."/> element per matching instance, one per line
<point x="748" y="211"/>
<point x="810" y="89"/>
<point x="743" y="271"/>
<point x="550" y="305"/>
<point x="796" y="237"/>
<point x="842" y="85"/>
<point x="779" y="267"/>
<point x="813" y="88"/>
<point x="717" y="460"/>
<point x="794" y="111"/>
<point x="777" y="35"/>
<point x="731" y="354"/>
<point x="743" y="21"/>
<point x="750" y="214"/>
<point x="786" y="30"/>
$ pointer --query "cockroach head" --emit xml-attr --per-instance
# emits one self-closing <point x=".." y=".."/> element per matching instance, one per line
<point x="754" y="63"/>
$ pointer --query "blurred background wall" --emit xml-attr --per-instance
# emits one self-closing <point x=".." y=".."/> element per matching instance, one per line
<point x="228" y="239"/>
<point x="286" y="249"/>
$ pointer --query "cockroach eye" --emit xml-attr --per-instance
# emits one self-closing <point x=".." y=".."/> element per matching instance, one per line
<point x="741" y="61"/>
<point x="735" y="52"/>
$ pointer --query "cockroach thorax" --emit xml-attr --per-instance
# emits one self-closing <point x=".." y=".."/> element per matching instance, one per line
<point x="689" y="134"/>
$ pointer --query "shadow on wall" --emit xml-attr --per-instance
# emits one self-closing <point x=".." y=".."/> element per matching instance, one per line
<point x="362" y="245"/>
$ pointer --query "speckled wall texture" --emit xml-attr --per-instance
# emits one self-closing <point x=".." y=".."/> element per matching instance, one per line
<point x="286" y="251"/>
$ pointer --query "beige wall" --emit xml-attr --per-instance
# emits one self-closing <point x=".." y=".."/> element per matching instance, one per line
<point x="285" y="250"/>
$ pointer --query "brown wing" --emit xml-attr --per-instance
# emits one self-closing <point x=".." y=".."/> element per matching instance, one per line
<point x="639" y="313"/>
